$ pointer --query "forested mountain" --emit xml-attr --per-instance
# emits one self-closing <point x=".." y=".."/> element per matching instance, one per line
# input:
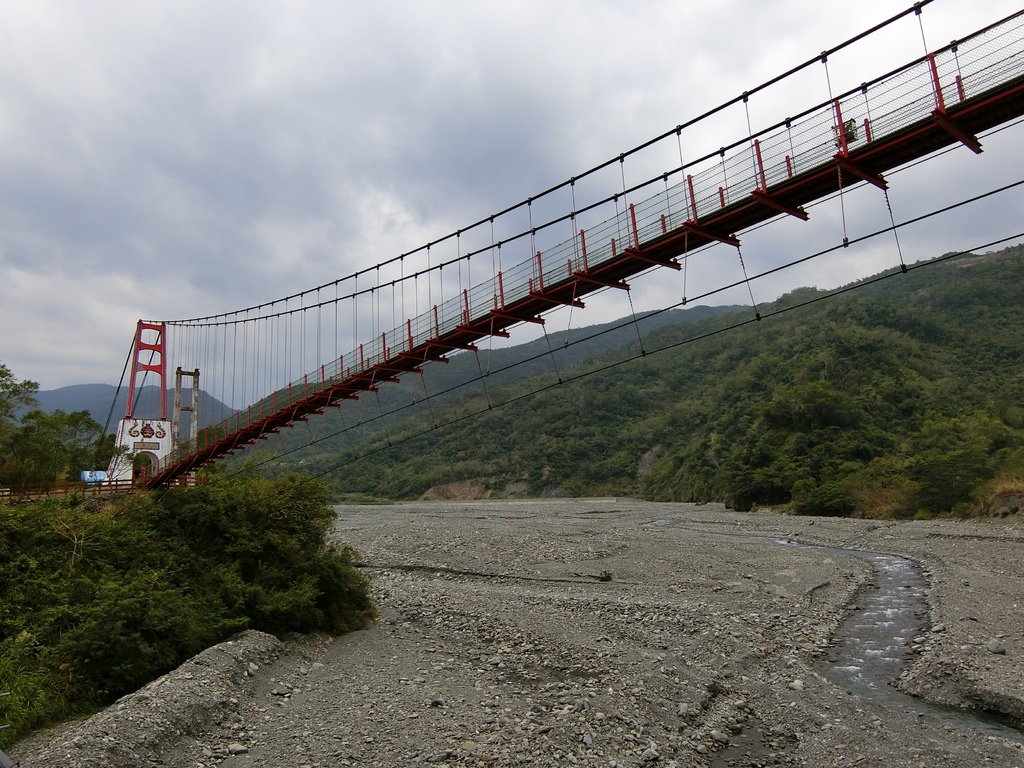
<point x="462" y="375"/>
<point x="903" y="397"/>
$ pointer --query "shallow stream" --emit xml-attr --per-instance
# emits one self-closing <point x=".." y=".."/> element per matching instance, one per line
<point x="873" y="645"/>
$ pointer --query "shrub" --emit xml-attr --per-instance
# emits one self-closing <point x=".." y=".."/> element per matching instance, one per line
<point x="828" y="499"/>
<point x="99" y="599"/>
<point x="948" y="478"/>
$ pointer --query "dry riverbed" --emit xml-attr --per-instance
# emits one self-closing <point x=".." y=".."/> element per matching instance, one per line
<point x="595" y="632"/>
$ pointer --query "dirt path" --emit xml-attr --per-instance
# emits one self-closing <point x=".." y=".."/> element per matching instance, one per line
<point x="605" y="632"/>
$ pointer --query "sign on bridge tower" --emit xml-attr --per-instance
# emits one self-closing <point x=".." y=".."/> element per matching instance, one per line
<point x="145" y="436"/>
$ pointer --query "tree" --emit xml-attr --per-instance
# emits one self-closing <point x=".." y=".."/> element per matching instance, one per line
<point x="52" y="447"/>
<point x="42" y="448"/>
<point x="14" y="394"/>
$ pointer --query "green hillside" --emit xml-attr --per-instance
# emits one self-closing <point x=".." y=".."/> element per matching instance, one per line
<point x="903" y="397"/>
<point x="461" y="374"/>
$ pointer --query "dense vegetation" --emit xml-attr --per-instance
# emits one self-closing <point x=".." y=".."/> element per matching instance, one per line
<point x="902" y="398"/>
<point x="99" y="597"/>
<point x="42" y="449"/>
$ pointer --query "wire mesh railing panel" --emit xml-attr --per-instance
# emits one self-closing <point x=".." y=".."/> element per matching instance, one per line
<point x="980" y="52"/>
<point x="482" y="299"/>
<point x="555" y="263"/>
<point x="649" y="215"/>
<point x="515" y="283"/>
<point x="599" y="239"/>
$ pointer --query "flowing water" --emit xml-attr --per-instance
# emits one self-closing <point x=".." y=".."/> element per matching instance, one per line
<point x="873" y="645"/>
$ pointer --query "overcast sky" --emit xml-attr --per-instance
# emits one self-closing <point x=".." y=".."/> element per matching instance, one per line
<point x="171" y="159"/>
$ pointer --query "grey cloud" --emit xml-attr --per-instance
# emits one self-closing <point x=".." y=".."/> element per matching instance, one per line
<point x="239" y="151"/>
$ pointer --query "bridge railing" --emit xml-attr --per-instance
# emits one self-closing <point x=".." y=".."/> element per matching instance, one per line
<point x="702" y="188"/>
<point x="18" y="493"/>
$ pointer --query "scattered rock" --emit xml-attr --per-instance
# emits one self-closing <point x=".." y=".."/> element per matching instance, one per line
<point x="996" y="645"/>
<point x="649" y="755"/>
<point x="696" y="650"/>
<point x="137" y="729"/>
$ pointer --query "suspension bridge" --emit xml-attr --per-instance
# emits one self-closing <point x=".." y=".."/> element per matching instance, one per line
<point x="283" y="361"/>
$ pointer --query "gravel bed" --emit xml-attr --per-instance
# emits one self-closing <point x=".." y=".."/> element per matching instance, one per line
<point x="594" y="632"/>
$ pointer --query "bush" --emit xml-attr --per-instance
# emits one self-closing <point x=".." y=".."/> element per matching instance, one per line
<point x="99" y="599"/>
<point x="828" y="499"/>
<point x="948" y="478"/>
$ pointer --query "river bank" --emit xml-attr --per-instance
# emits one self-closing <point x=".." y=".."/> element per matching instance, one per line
<point x="615" y="632"/>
